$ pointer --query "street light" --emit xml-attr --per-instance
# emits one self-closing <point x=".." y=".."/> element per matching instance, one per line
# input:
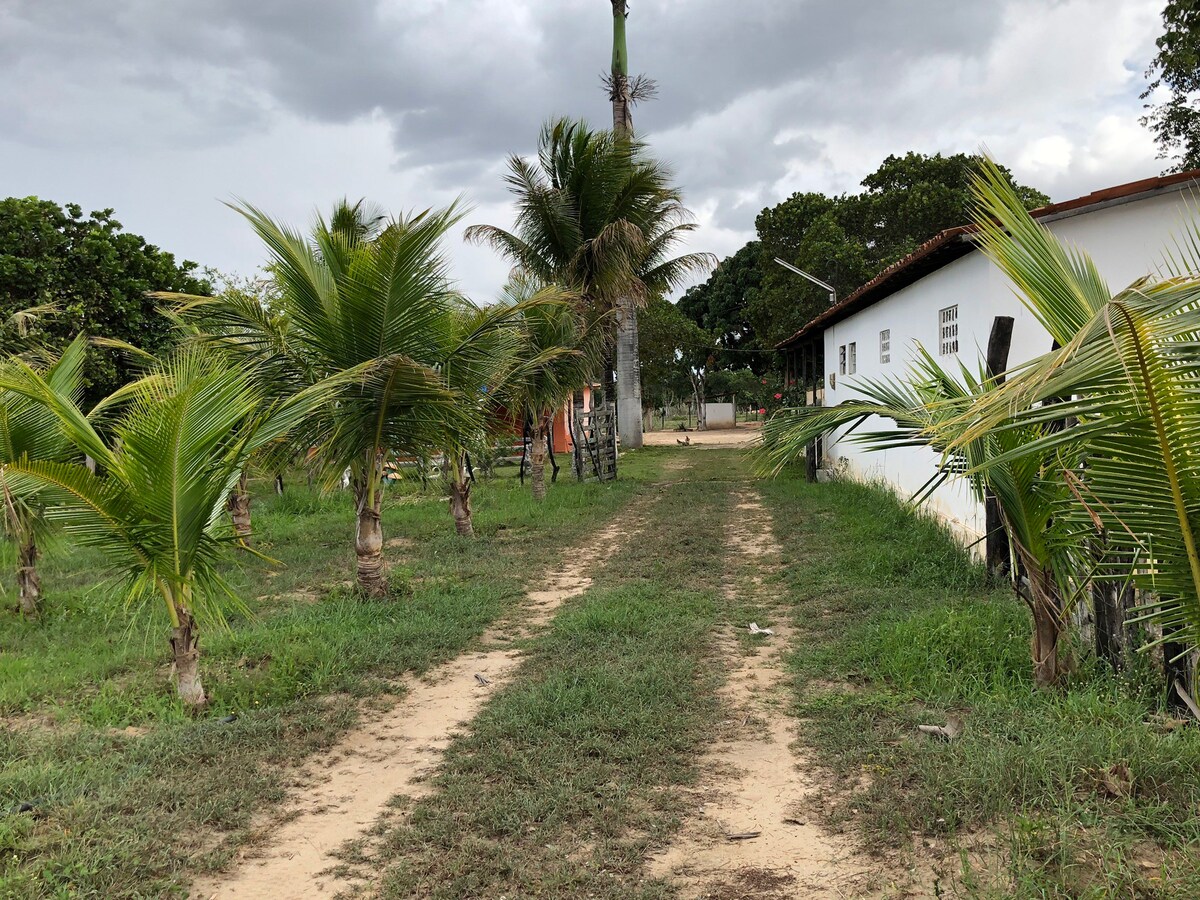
<point x="817" y="281"/>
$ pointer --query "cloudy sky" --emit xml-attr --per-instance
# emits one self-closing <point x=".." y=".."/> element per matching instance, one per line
<point x="161" y="109"/>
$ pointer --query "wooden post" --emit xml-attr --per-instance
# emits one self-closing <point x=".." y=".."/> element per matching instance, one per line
<point x="996" y="547"/>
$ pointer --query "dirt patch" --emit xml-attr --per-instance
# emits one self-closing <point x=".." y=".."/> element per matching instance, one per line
<point x="742" y="436"/>
<point x="754" y="833"/>
<point x="344" y="792"/>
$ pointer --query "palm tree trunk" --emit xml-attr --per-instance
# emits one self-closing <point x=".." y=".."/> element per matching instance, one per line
<point x="460" y="500"/>
<point x="629" y="375"/>
<point x="1050" y="659"/>
<point x="29" y="583"/>
<point x="629" y="379"/>
<point x="239" y="509"/>
<point x="368" y="539"/>
<point x="185" y="646"/>
<point x="537" y="461"/>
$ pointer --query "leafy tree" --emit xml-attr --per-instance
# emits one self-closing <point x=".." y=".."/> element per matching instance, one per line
<point x="669" y="339"/>
<point x="721" y="305"/>
<point x="844" y="240"/>
<point x="1176" y="67"/>
<point x="559" y="352"/>
<point x="96" y="277"/>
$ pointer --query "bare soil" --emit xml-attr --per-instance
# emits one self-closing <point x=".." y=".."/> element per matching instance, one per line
<point x="343" y="793"/>
<point x="755" y="832"/>
<point x="740" y="436"/>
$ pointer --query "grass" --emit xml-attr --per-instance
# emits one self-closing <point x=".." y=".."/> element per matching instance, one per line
<point x="571" y="773"/>
<point x="898" y="627"/>
<point x="109" y="790"/>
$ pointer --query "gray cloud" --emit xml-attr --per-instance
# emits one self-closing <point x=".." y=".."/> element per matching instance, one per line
<point x="158" y="109"/>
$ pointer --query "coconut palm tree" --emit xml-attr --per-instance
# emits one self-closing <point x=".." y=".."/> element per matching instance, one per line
<point x="478" y="364"/>
<point x="361" y="292"/>
<point x="1125" y="380"/>
<point x="924" y="406"/>
<point x="598" y="216"/>
<point x="29" y="431"/>
<point x="174" y="448"/>
<point x="558" y="353"/>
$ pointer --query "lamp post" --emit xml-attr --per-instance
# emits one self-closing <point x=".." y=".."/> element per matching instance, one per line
<point x="813" y="278"/>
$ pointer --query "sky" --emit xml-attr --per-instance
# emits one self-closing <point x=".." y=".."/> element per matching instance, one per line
<point x="165" y="109"/>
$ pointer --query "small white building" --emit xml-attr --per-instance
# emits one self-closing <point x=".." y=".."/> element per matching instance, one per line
<point x="945" y="296"/>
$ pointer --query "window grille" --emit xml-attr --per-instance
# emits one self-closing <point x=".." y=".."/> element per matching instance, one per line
<point x="842" y="360"/>
<point x="885" y="346"/>
<point x="853" y="363"/>
<point x="948" y="330"/>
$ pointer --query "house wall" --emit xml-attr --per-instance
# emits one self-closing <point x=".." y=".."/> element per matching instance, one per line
<point x="1127" y="241"/>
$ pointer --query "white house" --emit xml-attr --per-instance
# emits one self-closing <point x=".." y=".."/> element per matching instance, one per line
<point x="945" y="296"/>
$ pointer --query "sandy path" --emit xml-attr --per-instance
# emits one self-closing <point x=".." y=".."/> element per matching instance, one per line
<point x="752" y="782"/>
<point x="345" y="790"/>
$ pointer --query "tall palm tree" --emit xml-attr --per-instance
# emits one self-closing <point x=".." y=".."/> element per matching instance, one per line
<point x="558" y="353"/>
<point x="28" y="432"/>
<point x="178" y="442"/>
<point x="598" y="216"/>
<point x="361" y="292"/>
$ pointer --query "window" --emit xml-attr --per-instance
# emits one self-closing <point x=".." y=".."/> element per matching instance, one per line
<point x="948" y="330"/>
<point x="842" y="360"/>
<point x="853" y="364"/>
<point x="885" y="346"/>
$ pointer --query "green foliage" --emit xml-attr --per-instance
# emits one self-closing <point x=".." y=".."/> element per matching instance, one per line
<point x="844" y="240"/>
<point x="668" y="344"/>
<point x="294" y="672"/>
<point x="896" y="628"/>
<point x="595" y="215"/>
<point x="95" y="275"/>
<point x="1176" y="68"/>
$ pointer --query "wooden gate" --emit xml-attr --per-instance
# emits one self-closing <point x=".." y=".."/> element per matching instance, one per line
<point x="596" y="445"/>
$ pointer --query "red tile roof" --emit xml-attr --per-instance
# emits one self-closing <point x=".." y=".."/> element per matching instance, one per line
<point x="953" y="243"/>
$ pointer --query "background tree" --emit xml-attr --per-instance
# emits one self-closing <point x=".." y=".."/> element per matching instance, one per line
<point x="95" y="275"/>
<point x="722" y="305"/>
<point x="668" y="340"/>
<point x="845" y="240"/>
<point x="1176" y="69"/>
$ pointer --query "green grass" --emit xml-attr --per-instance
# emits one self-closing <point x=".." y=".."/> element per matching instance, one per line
<point x="570" y="774"/>
<point x="898" y="627"/>
<point x="135" y="813"/>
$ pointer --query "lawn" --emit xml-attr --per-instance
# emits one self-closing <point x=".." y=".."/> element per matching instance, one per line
<point x="108" y="789"/>
<point x="1072" y="793"/>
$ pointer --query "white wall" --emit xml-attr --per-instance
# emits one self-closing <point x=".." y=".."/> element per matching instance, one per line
<point x="718" y="415"/>
<point x="1126" y="241"/>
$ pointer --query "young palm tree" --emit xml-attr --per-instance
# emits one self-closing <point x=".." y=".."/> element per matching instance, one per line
<point x="28" y="432"/>
<point x="172" y="453"/>
<point x="1029" y="489"/>
<point x="600" y="218"/>
<point x="478" y="365"/>
<point x="1125" y="379"/>
<point x="361" y="293"/>
<point x="558" y="354"/>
